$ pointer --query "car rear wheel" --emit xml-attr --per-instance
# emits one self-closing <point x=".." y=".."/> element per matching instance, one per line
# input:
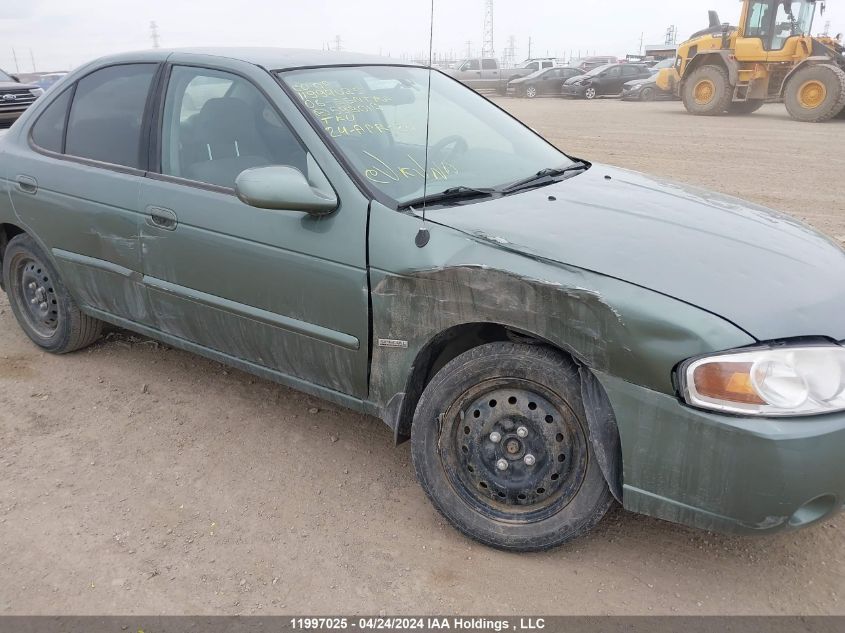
<point x="501" y="447"/>
<point x="590" y="93"/>
<point x="40" y="302"/>
<point x="815" y="93"/>
<point x="531" y="92"/>
<point x="707" y="91"/>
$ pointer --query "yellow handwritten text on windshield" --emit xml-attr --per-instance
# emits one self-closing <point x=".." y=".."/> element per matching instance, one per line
<point x="382" y="173"/>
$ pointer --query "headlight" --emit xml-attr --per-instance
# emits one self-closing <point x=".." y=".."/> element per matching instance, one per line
<point x="37" y="92"/>
<point x="636" y="87"/>
<point x="784" y="381"/>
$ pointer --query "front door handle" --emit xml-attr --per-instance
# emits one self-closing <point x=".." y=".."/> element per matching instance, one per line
<point x="162" y="218"/>
<point x="27" y="184"/>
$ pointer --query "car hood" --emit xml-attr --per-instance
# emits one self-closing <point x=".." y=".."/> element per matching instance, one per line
<point x="765" y="272"/>
<point x="637" y="82"/>
<point x="13" y="85"/>
<point x="575" y="79"/>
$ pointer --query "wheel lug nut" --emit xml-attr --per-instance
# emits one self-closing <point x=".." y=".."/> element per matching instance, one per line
<point x="33" y="301"/>
<point x="32" y="285"/>
<point x="495" y="437"/>
<point x="522" y="432"/>
<point x="530" y="460"/>
<point x="43" y="306"/>
<point x="502" y="464"/>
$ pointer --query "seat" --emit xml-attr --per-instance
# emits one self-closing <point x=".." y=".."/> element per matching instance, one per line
<point x="225" y="142"/>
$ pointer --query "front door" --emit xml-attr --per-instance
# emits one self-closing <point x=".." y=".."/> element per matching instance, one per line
<point x="611" y="81"/>
<point x="78" y="187"/>
<point x="280" y="290"/>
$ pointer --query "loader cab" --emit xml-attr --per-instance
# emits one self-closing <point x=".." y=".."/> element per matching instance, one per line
<point x="773" y="22"/>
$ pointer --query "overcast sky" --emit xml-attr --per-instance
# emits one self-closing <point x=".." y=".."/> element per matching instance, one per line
<point x="65" y="33"/>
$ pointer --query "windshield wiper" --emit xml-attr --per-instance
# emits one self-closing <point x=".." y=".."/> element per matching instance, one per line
<point x="544" y="177"/>
<point x="453" y="194"/>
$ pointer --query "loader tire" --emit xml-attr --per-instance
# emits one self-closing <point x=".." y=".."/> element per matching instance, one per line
<point x="815" y="93"/>
<point x="707" y="91"/>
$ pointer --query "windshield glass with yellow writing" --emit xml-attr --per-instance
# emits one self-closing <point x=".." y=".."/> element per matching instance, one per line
<point x="376" y="116"/>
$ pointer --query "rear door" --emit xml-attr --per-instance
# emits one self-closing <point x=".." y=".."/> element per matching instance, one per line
<point x="281" y="290"/>
<point x="490" y="73"/>
<point x="76" y="186"/>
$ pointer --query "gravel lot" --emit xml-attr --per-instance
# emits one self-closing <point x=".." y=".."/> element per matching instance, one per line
<point x="139" y="479"/>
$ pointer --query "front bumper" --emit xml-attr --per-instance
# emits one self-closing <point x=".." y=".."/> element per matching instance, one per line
<point x="631" y="95"/>
<point x="573" y="91"/>
<point x="723" y="473"/>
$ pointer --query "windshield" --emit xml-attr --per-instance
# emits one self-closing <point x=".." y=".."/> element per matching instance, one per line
<point x="5" y="77"/>
<point x="376" y="117"/>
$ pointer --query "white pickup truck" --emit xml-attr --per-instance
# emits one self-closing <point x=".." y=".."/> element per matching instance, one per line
<point x="485" y="73"/>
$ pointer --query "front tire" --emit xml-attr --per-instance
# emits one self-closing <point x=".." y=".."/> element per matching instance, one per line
<point x="647" y="94"/>
<point x="501" y="446"/>
<point x="815" y="93"/>
<point x="707" y="91"/>
<point x="590" y="93"/>
<point x="40" y="302"/>
<point x="531" y="92"/>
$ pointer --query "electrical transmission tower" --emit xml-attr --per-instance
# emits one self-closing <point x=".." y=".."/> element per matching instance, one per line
<point x="826" y="28"/>
<point x="487" y="49"/>
<point x="509" y="56"/>
<point x="154" y="34"/>
<point x="672" y="35"/>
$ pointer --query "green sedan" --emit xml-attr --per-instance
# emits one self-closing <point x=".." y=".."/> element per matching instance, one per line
<point x="551" y="334"/>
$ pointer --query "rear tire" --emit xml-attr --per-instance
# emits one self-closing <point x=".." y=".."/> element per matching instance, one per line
<point x="746" y="107"/>
<point x="40" y="302"/>
<point x="707" y="91"/>
<point x="529" y="397"/>
<point x="815" y="93"/>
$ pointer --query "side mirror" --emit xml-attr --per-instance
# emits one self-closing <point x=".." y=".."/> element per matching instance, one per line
<point x="282" y="188"/>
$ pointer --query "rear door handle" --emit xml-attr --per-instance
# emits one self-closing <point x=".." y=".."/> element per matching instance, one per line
<point x="27" y="184"/>
<point x="162" y="218"/>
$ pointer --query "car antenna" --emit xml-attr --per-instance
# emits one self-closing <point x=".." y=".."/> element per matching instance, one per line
<point x="423" y="235"/>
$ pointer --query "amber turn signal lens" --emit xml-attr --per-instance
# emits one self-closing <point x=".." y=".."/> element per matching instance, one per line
<point x="726" y="381"/>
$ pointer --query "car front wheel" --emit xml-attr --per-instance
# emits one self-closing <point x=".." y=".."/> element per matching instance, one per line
<point x="590" y="93"/>
<point x="501" y="447"/>
<point x="40" y="302"/>
<point x="531" y="92"/>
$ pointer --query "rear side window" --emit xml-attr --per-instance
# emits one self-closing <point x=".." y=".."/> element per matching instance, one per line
<point x="49" y="130"/>
<point x="489" y="64"/>
<point x="107" y="115"/>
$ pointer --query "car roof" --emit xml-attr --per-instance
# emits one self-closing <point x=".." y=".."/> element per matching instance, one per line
<point x="268" y="58"/>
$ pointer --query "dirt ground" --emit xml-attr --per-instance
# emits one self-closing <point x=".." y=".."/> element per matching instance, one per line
<point x="137" y="479"/>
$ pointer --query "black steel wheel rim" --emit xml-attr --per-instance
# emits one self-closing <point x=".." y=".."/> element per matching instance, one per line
<point x="36" y="295"/>
<point x="513" y="450"/>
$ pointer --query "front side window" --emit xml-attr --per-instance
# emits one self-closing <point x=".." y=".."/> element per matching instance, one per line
<point x="376" y="117"/>
<point x="216" y="125"/>
<point x="471" y="65"/>
<point x="798" y="20"/>
<point x="107" y="115"/>
<point x="758" y="19"/>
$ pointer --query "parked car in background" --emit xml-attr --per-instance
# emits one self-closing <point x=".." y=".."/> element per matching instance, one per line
<point x="647" y="89"/>
<point x="540" y="63"/>
<point x="547" y="82"/>
<point x="485" y="73"/>
<point x="15" y="98"/>
<point x="604" y="81"/>
<point x="48" y="79"/>
<point x="587" y="64"/>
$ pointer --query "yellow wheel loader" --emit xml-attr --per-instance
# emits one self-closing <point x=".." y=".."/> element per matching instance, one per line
<point x="770" y="56"/>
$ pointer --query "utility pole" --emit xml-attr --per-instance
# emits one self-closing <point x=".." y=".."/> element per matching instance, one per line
<point x="32" y="59"/>
<point x="337" y="43"/>
<point x="469" y="49"/>
<point x="826" y="29"/>
<point x="529" y="47"/>
<point x="642" y="37"/>
<point x="15" y="57"/>
<point x="487" y="48"/>
<point x="154" y="34"/>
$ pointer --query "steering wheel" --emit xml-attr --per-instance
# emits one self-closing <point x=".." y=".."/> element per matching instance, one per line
<point x="456" y="145"/>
